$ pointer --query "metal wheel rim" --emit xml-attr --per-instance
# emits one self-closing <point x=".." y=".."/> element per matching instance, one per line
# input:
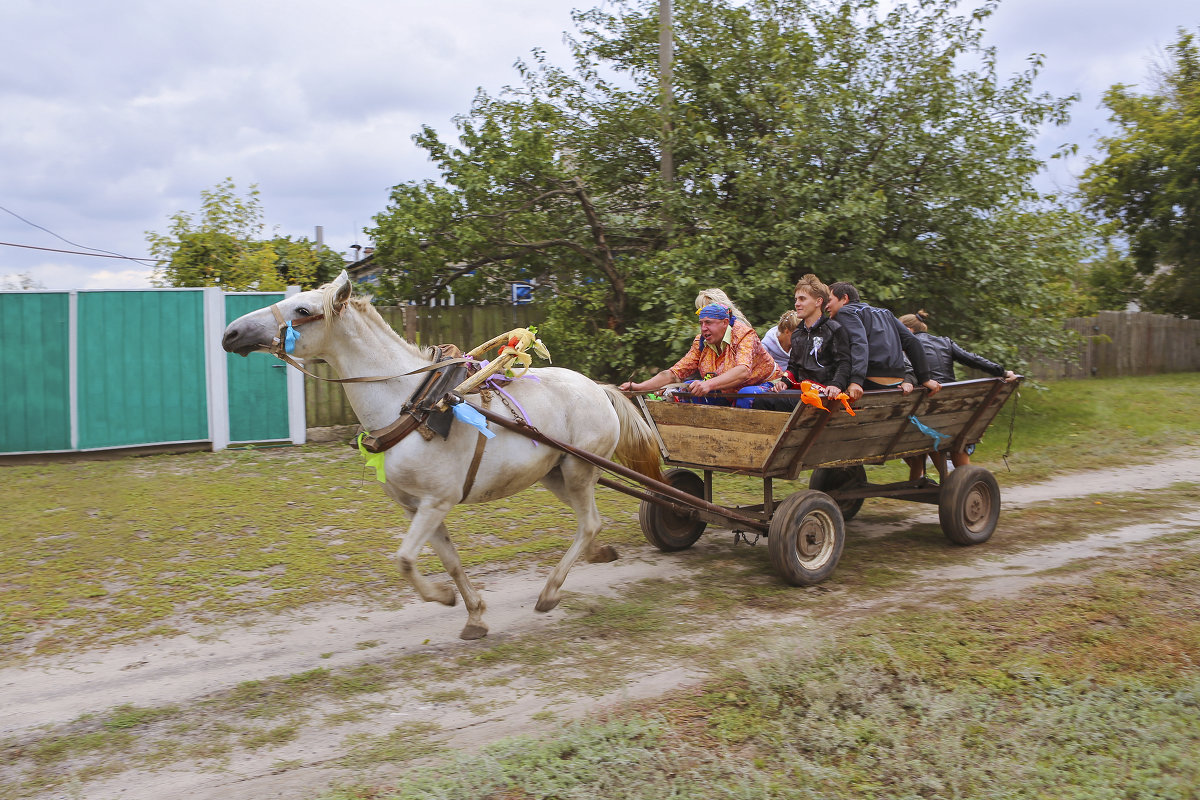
<point x="674" y="525"/>
<point x="815" y="540"/>
<point x="977" y="508"/>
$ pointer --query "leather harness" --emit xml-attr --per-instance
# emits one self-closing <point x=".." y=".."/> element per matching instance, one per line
<point x="448" y="370"/>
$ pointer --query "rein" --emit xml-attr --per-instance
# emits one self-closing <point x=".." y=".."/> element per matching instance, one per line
<point x="287" y="335"/>
<point x="431" y="403"/>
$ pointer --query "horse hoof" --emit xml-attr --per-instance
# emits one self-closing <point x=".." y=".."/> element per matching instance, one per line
<point x="603" y="555"/>
<point x="545" y="604"/>
<point x="447" y="596"/>
<point x="473" y="631"/>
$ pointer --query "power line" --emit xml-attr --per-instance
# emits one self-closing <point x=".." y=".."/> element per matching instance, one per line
<point x="95" y="250"/>
<point x="98" y="254"/>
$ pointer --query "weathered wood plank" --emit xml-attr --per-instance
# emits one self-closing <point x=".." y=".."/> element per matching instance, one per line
<point x="770" y="443"/>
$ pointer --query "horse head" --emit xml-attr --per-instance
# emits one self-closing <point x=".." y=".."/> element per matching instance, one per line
<point x="276" y="328"/>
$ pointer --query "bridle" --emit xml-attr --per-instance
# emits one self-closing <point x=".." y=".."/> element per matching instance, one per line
<point x="285" y="336"/>
<point x="285" y="341"/>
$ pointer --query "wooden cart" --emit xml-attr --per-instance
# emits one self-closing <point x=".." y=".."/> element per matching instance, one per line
<point x="806" y="530"/>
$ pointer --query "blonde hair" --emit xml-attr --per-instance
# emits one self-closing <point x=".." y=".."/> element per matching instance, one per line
<point x="790" y="321"/>
<point x="812" y="285"/>
<point x="719" y="297"/>
<point x="916" y="322"/>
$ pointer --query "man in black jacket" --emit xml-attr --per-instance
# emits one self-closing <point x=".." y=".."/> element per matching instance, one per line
<point x="878" y="344"/>
<point x="820" y="349"/>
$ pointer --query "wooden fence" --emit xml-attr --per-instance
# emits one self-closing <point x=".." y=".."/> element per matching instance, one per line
<point x="465" y="326"/>
<point x="1116" y="343"/>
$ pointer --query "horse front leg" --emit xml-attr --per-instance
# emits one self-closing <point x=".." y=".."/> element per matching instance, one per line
<point x="425" y="524"/>
<point x="448" y="553"/>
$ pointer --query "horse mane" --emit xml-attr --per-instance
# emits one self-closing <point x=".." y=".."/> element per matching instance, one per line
<point x="363" y="305"/>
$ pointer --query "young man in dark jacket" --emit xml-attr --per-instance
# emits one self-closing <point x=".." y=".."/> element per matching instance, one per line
<point x="820" y="349"/>
<point x="878" y="344"/>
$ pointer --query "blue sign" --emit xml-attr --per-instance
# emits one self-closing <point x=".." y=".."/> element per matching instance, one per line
<point x="522" y="293"/>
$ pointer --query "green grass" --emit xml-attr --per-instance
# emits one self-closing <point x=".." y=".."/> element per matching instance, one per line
<point x="1088" y="691"/>
<point x="97" y="552"/>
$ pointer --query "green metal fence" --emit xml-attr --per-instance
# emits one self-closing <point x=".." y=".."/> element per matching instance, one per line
<point x="92" y="370"/>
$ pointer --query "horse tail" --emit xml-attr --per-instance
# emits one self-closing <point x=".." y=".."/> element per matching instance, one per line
<point x="637" y="447"/>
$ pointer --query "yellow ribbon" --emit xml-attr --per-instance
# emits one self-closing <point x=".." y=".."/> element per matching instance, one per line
<point x="373" y="459"/>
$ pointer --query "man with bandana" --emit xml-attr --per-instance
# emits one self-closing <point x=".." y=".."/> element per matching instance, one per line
<point x="727" y="355"/>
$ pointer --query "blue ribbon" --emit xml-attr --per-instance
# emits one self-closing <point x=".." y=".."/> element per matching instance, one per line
<point x="465" y="412"/>
<point x="930" y="432"/>
<point x="289" y="338"/>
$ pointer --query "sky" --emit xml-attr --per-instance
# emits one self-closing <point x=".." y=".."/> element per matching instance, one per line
<point x="116" y="115"/>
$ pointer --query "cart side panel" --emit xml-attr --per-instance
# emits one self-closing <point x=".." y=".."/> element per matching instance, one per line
<point x="845" y="439"/>
<point x="783" y="444"/>
<point x="882" y="428"/>
<point x="729" y="439"/>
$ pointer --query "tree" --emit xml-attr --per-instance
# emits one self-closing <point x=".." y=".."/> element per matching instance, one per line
<point x="20" y="282"/>
<point x="831" y="138"/>
<point x="225" y="247"/>
<point x="1148" y="182"/>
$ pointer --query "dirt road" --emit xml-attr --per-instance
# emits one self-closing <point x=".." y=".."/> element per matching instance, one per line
<point x="496" y="700"/>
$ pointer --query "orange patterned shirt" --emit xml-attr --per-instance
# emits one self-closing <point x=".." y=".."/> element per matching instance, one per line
<point x="741" y="346"/>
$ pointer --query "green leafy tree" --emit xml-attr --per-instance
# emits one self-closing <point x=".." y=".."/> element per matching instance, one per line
<point x="1148" y="182"/>
<point x="836" y="138"/>
<point x="224" y="246"/>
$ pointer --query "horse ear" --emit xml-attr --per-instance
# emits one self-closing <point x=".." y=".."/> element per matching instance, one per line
<point x="341" y="290"/>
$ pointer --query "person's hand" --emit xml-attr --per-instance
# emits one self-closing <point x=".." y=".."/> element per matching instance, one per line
<point x="628" y="386"/>
<point x="906" y="387"/>
<point x="699" y="388"/>
<point x="855" y="391"/>
<point x="1009" y="376"/>
<point x="933" y="386"/>
<point x="832" y="392"/>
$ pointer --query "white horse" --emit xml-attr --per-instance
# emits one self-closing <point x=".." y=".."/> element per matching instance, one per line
<point x="427" y="478"/>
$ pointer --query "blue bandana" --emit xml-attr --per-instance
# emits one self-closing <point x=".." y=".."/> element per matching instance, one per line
<point x="716" y="311"/>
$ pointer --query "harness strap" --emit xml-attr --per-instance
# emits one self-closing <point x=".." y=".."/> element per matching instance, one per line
<point x="372" y="378"/>
<point x="480" y="442"/>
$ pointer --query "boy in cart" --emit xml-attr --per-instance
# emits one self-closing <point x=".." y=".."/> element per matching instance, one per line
<point x="820" y="350"/>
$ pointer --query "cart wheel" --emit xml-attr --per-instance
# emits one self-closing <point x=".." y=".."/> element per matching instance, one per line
<point x="665" y="529"/>
<point x="826" y="479"/>
<point x="969" y="505"/>
<point x="806" y="537"/>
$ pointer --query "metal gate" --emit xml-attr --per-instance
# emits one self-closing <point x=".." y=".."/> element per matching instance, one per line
<point x="92" y="370"/>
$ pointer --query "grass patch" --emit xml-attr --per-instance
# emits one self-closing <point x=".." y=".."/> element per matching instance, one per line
<point x="98" y="552"/>
<point x="407" y="742"/>
<point x="1088" y="691"/>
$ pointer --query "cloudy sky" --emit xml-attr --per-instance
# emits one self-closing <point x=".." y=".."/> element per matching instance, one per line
<point x="115" y="115"/>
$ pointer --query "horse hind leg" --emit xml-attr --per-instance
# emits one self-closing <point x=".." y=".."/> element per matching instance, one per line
<point x="448" y="553"/>
<point x="574" y="482"/>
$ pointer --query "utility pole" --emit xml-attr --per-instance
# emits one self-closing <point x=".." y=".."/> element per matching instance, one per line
<point x="666" y="52"/>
